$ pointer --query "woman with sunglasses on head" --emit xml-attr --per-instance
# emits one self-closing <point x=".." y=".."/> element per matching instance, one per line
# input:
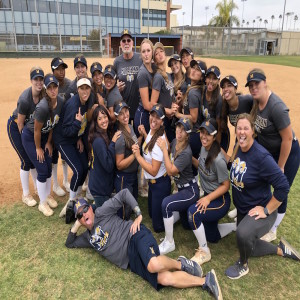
<point x="153" y="164"/>
<point x="21" y="115"/>
<point x="274" y="132"/>
<point x="37" y="141"/>
<point x="102" y="155"/>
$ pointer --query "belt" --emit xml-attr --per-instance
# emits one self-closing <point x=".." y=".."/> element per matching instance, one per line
<point x="186" y="184"/>
<point x="153" y="181"/>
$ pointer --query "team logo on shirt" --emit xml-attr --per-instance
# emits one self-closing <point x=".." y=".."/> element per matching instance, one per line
<point x="144" y="146"/>
<point x="237" y="172"/>
<point x="152" y="250"/>
<point x="99" y="238"/>
<point x="83" y="125"/>
<point x="206" y="114"/>
<point x="50" y="125"/>
<point x="260" y="124"/>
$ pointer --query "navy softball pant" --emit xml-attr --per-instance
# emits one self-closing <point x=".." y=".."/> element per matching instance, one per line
<point x="77" y="161"/>
<point x="16" y="141"/>
<point x="141" y="117"/>
<point x="159" y="189"/>
<point x="44" y="169"/>
<point x="225" y="140"/>
<point x="215" y="211"/>
<point x="195" y="144"/>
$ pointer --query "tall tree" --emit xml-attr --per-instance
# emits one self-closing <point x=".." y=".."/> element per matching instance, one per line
<point x="272" y="18"/>
<point x="224" y="8"/>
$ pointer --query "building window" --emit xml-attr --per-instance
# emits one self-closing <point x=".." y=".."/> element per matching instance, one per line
<point x="157" y="18"/>
<point x="233" y="43"/>
<point x="251" y="43"/>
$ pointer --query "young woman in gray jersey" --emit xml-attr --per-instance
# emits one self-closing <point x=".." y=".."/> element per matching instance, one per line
<point x="21" y="115"/>
<point x="274" y="132"/>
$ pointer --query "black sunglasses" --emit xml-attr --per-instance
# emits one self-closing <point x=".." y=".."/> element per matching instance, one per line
<point x="126" y="40"/>
<point x="80" y="214"/>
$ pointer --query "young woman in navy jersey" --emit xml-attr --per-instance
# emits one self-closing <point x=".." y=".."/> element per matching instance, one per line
<point x="98" y="88"/>
<point x="178" y="165"/>
<point x="153" y="164"/>
<point x="102" y="155"/>
<point x="21" y="115"/>
<point x="37" y="141"/>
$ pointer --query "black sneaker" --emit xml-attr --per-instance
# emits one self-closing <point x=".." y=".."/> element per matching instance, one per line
<point x="212" y="286"/>
<point x="189" y="266"/>
<point x="70" y="215"/>
<point x="287" y="250"/>
<point x="237" y="270"/>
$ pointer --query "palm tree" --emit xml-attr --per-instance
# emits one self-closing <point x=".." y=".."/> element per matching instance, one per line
<point x="266" y="22"/>
<point x="272" y="18"/>
<point x="295" y="20"/>
<point x="260" y="19"/>
<point x="247" y="24"/>
<point x="280" y="17"/>
<point x="223" y="18"/>
<point x="253" y="23"/>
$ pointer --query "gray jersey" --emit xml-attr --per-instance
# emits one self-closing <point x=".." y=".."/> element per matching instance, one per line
<point x="127" y="70"/>
<point x="120" y="148"/>
<point x="166" y="90"/>
<point x="43" y="115"/>
<point x="193" y="101"/>
<point x="63" y="88"/>
<point x="217" y="173"/>
<point x="113" y="96"/>
<point x="245" y="106"/>
<point x="145" y="79"/>
<point x="183" y="162"/>
<point x="211" y="113"/>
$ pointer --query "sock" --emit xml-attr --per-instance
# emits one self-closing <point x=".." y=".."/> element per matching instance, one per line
<point x="42" y="191"/>
<point x="48" y="186"/>
<point x="33" y="173"/>
<point x="24" y="175"/>
<point x="79" y="190"/>
<point x="168" y="222"/>
<point x="176" y="216"/>
<point x="277" y="222"/>
<point x="54" y="174"/>
<point x="72" y="195"/>
<point x="65" y="170"/>
<point x="226" y="228"/>
<point x="201" y="237"/>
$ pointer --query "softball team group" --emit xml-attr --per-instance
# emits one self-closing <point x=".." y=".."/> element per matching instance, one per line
<point x="133" y="120"/>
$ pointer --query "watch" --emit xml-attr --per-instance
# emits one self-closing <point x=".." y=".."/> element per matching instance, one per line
<point x="266" y="211"/>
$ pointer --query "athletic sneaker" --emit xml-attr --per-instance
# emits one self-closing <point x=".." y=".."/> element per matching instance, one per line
<point x="165" y="246"/>
<point x="237" y="270"/>
<point x="58" y="191"/>
<point x="28" y="200"/>
<point x="269" y="237"/>
<point x="143" y="192"/>
<point x="63" y="211"/>
<point x="201" y="256"/>
<point x="212" y="285"/>
<point x="66" y="184"/>
<point x="232" y="214"/>
<point x="51" y="201"/>
<point x="190" y="267"/>
<point x="288" y="250"/>
<point x="45" y="209"/>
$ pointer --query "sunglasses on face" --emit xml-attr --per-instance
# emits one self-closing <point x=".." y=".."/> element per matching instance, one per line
<point x="80" y="214"/>
<point x="126" y="40"/>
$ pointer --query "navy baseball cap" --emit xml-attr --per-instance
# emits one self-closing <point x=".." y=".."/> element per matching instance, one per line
<point x="95" y="67"/>
<point x="78" y="204"/>
<point x="119" y="107"/>
<point x="201" y="64"/>
<point x="36" y="73"/>
<point x="211" y="126"/>
<point x="80" y="59"/>
<point x="126" y="32"/>
<point x="56" y="62"/>
<point x="215" y="71"/>
<point x="110" y="71"/>
<point x="159" y="110"/>
<point x="173" y="57"/>
<point x="50" y="79"/>
<point x="231" y="79"/>
<point x="255" y="76"/>
<point x="188" y="50"/>
<point x="185" y="122"/>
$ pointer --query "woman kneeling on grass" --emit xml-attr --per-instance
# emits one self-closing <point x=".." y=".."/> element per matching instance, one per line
<point x="252" y="174"/>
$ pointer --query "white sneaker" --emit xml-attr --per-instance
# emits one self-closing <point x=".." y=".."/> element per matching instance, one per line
<point x="45" y="209"/>
<point x="165" y="247"/>
<point x="66" y="184"/>
<point x="28" y="200"/>
<point x="51" y="201"/>
<point x="201" y="256"/>
<point x="58" y="191"/>
<point x="143" y="192"/>
<point x="232" y="214"/>
<point x="63" y="211"/>
<point x="269" y="237"/>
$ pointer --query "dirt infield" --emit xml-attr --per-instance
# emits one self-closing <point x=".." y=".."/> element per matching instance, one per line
<point x="15" y="78"/>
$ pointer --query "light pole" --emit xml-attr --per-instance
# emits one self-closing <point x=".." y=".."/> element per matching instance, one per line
<point x="148" y="19"/>
<point x="100" y="28"/>
<point x="192" y="21"/>
<point x="243" y="10"/>
<point x="206" y="9"/>
<point x="183" y="13"/>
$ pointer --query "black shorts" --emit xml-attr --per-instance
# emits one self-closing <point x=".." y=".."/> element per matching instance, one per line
<point x="141" y="249"/>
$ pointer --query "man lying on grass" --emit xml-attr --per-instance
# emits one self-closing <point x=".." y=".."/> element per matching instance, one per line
<point x="130" y="243"/>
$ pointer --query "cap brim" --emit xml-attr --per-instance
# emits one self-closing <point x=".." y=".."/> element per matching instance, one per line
<point x="257" y="80"/>
<point x="64" y="64"/>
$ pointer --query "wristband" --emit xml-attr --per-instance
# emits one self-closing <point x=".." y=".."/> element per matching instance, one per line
<point x="266" y="211"/>
<point x="137" y="211"/>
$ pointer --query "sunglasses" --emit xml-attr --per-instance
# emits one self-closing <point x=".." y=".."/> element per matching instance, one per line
<point x="126" y="40"/>
<point x="85" y="209"/>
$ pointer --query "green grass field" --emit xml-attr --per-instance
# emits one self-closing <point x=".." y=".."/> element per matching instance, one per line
<point x="35" y="264"/>
<point x="292" y="61"/>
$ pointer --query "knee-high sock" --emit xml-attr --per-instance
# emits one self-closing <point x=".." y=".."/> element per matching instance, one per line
<point x="54" y="174"/>
<point x="79" y="190"/>
<point x="65" y="170"/>
<point x="42" y="191"/>
<point x="168" y="222"/>
<point x="277" y="222"/>
<point x="176" y="216"/>
<point x="33" y="173"/>
<point x="201" y="237"/>
<point x="24" y="175"/>
<point x="226" y="228"/>
<point x="48" y="186"/>
<point x="72" y="195"/>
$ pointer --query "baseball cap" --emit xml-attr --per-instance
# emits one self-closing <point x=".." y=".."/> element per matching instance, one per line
<point x="186" y="124"/>
<point x="188" y="50"/>
<point x="126" y="32"/>
<point x="95" y="67"/>
<point x="255" y="76"/>
<point x="158" y="45"/>
<point x="83" y="81"/>
<point x="56" y="62"/>
<point x="78" y="204"/>
<point x="231" y="79"/>
<point x="214" y="70"/>
<point x="201" y="64"/>
<point x="81" y="59"/>
<point x="173" y="57"/>
<point x="110" y="71"/>
<point x="211" y="126"/>
<point x="36" y="73"/>
<point x="159" y="110"/>
<point x="50" y="79"/>
<point x="119" y="107"/>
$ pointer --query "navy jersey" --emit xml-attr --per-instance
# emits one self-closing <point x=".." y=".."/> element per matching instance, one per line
<point x="245" y="106"/>
<point x="208" y="112"/>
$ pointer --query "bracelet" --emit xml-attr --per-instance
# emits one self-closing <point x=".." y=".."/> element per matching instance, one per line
<point x="137" y="211"/>
<point x="266" y="211"/>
